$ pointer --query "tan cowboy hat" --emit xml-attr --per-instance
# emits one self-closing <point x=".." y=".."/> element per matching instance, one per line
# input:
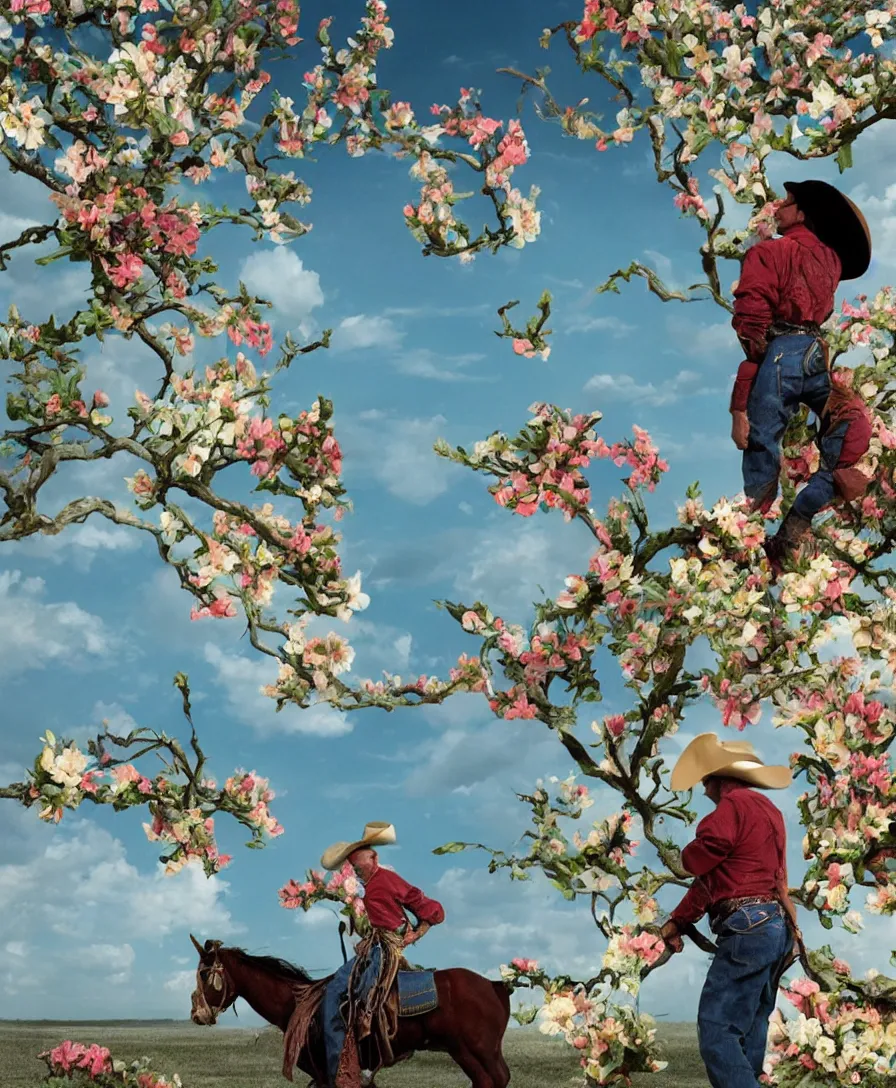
<point x="375" y="834"/>
<point x="707" y="755"/>
<point x="837" y="222"/>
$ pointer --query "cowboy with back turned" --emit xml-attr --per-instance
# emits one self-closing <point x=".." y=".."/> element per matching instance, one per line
<point x="785" y="292"/>
<point x="738" y="860"/>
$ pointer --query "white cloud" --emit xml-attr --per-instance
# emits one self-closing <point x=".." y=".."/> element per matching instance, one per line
<point x="181" y="983"/>
<point x="612" y="325"/>
<point x="880" y="211"/>
<point x="278" y="275"/>
<point x="377" y="646"/>
<point x="39" y="294"/>
<point x="113" y="960"/>
<point x="424" y="363"/>
<point x="625" y="388"/>
<point x="34" y="632"/>
<point x="359" y="332"/>
<point x="76" y="893"/>
<point x="507" y="564"/>
<point x="11" y="226"/>
<point x="79" y="546"/>
<point x="241" y="679"/>
<point x="458" y="759"/>
<point x="399" y="453"/>
<point x="712" y="340"/>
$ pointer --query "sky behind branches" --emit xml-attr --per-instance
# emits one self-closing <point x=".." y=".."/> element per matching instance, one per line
<point x="91" y="627"/>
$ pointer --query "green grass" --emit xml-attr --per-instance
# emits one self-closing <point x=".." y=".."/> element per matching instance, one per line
<point x="238" y="1058"/>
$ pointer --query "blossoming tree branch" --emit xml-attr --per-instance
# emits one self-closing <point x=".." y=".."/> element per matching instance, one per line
<point x="119" y="111"/>
<point x="718" y="78"/>
<point x="701" y="78"/>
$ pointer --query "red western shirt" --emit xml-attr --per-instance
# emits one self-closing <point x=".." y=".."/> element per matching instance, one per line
<point x="791" y="279"/>
<point x="386" y="896"/>
<point x="738" y="851"/>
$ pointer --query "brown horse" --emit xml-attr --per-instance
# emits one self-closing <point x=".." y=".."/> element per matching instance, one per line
<point x="468" y="1025"/>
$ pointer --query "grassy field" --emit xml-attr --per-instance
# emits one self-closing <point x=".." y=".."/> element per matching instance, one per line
<point x="228" y="1058"/>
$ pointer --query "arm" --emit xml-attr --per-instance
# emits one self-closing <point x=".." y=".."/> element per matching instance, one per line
<point x="743" y="383"/>
<point x="427" y="911"/>
<point x="756" y="299"/>
<point x="716" y="836"/>
<point x="740" y="395"/>
<point x="694" y="905"/>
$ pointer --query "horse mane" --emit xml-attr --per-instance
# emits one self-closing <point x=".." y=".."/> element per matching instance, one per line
<point x="273" y="966"/>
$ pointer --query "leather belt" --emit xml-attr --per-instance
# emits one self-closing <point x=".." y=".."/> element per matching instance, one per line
<point x="784" y="329"/>
<point x="724" y="908"/>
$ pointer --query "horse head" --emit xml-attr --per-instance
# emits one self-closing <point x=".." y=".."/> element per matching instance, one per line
<point x="215" y="991"/>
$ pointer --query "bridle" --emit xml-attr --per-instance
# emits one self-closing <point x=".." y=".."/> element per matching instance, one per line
<point x="216" y="976"/>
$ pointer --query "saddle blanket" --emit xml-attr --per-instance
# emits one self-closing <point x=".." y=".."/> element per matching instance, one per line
<point x="416" y="993"/>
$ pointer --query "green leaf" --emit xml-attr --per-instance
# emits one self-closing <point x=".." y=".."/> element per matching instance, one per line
<point x="56" y="255"/>
<point x="451" y="848"/>
<point x="844" y="157"/>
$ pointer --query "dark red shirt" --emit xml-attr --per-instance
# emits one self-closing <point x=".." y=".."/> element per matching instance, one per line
<point x="387" y="896"/>
<point x="739" y="850"/>
<point x="792" y="279"/>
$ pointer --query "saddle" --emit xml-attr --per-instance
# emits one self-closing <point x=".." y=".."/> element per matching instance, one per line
<point x="415" y="993"/>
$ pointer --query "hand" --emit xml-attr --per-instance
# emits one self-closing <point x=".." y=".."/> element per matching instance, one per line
<point x="672" y="937"/>
<point x="740" y="429"/>
<point x="408" y="938"/>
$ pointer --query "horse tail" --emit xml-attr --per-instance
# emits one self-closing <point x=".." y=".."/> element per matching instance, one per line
<point x="503" y="992"/>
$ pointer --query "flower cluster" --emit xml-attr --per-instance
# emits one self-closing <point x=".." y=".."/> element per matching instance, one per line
<point x="614" y="1041"/>
<point x="182" y="805"/>
<point x="76" y="1064"/>
<point x="541" y="468"/>
<point x="342" y="887"/>
<point x="734" y="73"/>
<point x="834" y="1039"/>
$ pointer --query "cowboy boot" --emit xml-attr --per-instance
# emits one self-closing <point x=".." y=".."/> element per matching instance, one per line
<point x="791" y="532"/>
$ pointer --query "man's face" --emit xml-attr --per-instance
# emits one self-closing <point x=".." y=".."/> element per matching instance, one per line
<point x="787" y="214"/>
<point x="363" y="862"/>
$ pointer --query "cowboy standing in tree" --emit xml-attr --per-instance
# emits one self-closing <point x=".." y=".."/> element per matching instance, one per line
<point x="739" y="861"/>
<point x="363" y="984"/>
<point x="786" y="290"/>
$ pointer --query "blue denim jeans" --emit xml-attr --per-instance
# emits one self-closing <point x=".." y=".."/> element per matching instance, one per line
<point x="739" y="994"/>
<point x="793" y="373"/>
<point x="334" y="996"/>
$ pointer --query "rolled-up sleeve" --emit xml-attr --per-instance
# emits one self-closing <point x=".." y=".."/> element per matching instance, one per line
<point x="694" y="905"/>
<point x="423" y="908"/>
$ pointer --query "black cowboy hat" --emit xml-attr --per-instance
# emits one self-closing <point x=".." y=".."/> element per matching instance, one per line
<point x="837" y="222"/>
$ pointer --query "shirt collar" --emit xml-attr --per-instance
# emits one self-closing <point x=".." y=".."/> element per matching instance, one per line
<point x="801" y="232"/>
<point x="729" y="785"/>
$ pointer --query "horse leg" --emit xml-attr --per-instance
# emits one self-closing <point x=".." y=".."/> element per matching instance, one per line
<point x="479" y="1071"/>
<point x="501" y="1075"/>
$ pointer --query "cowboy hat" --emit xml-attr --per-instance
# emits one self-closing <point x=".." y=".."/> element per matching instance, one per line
<point x="707" y="755"/>
<point x="837" y="222"/>
<point x="375" y="834"/>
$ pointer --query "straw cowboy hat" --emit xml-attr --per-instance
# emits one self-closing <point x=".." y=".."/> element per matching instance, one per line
<point x="375" y="834"/>
<point x="837" y="222"/>
<point x="707" y="755"/>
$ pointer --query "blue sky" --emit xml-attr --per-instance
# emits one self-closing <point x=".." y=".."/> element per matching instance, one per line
<point x="92" y="628"/>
